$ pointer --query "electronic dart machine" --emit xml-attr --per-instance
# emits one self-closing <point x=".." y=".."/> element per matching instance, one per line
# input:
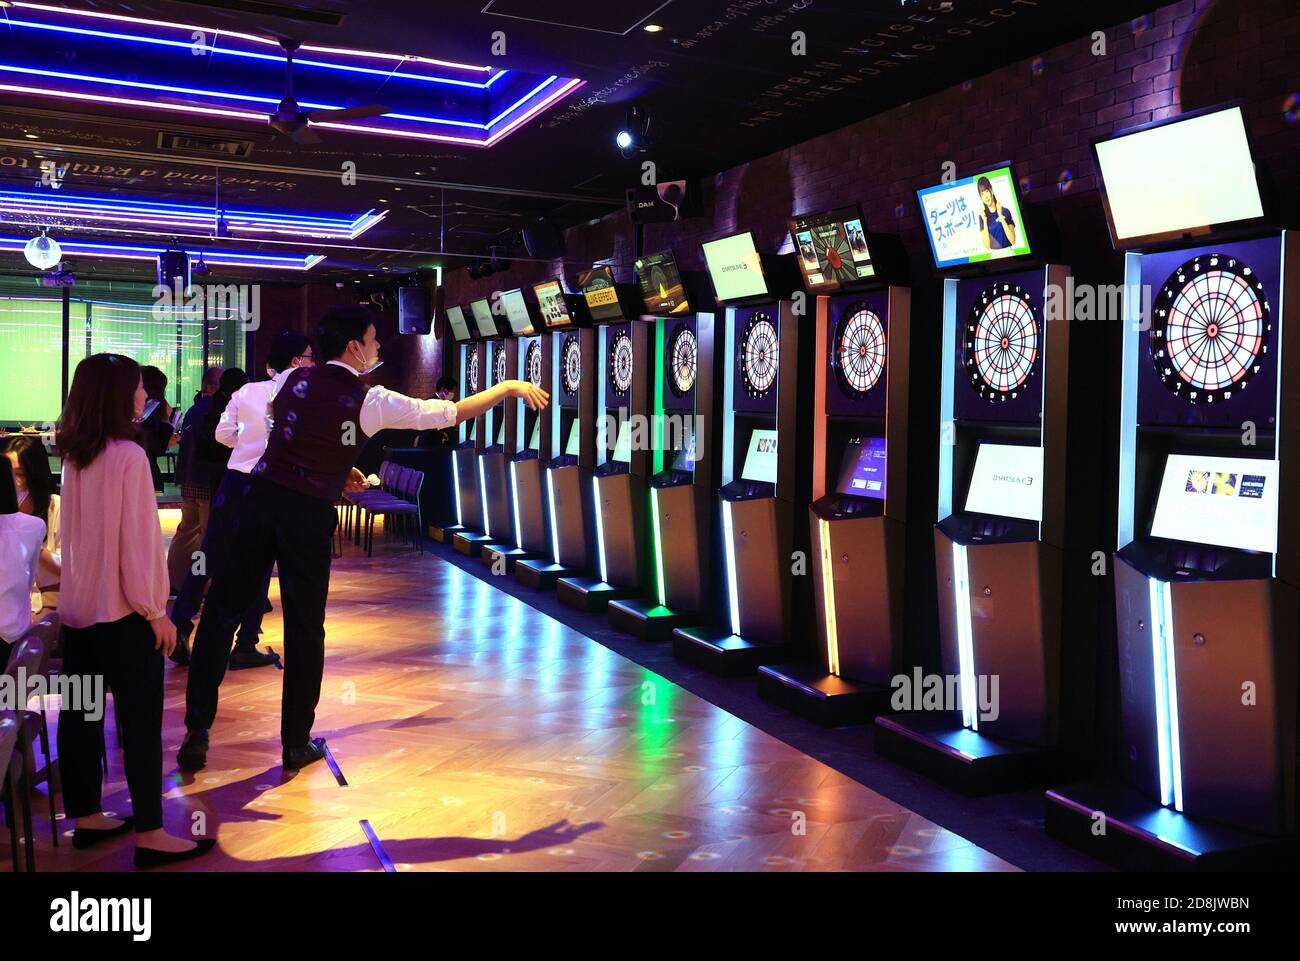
<point x="465" y="503"/>
<point x="857" y="518"/>
<point x="618" y="483"/>
<point x="488" y="467"/>
<point x="520" y="438"/>
<point x="1000" y="538"/>
<point x="762" y="434"/>
<point x="1208" y="568"/>
<point x="566" y="440"/>
<point x="684" y="471"/>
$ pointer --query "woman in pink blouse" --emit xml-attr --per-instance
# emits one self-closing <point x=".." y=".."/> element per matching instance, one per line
<point x="114" y="608"/>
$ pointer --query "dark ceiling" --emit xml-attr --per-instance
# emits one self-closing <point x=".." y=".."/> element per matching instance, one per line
<point x="724" y="82"/>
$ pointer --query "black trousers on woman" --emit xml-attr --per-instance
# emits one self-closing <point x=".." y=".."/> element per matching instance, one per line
<point x="122" y="653"/>
<point x="296" y="532"/>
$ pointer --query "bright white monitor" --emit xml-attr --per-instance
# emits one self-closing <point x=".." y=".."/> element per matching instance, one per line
<point x="1225" y="501"/>
<point x="1181" y="177"/>
<point x="1007" y="482"/>
<point x="760" y="460"/>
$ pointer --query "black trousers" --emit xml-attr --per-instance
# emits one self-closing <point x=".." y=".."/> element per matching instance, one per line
<point x="296" y="532"/>
<point x="122" y="653"/>
<point x="224" y="518"/>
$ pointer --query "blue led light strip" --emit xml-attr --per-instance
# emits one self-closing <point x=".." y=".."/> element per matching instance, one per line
<point x="965" y="638"/>
<point x="225" y="258"/>
<point x="1168" y="748"/>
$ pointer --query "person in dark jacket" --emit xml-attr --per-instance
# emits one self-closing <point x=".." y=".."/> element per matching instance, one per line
<point x="156" y="430"/>
<point x="196" y="494"/>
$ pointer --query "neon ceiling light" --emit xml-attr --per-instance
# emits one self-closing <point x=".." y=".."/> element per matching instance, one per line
<point x="221" y="258"/>
<point x="249" y="54"/>
<point x="341" y="51"/>
<point x="45" y="204"/>
<point x="391" y="69"/>
<point x="274" y="101"/>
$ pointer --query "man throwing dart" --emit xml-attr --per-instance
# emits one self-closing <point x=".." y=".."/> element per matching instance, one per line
<point x="319" y="419"/>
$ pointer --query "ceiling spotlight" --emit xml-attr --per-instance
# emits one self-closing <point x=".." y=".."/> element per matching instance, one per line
<point x="42" y="252"/>
<point x="634" y="138"/>
<point x="652" y="28"/>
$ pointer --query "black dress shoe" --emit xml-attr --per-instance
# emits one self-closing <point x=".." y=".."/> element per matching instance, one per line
<point x="242" y="658"/>
<point x="193" y="755"/>
<point x="153" y="858"/>
<point x="88" y="837"/>
<point x="299" y="757"/>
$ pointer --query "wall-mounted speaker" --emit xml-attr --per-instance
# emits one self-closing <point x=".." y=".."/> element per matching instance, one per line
<point x="543" y="240"/>
<point x="414" y="310"/>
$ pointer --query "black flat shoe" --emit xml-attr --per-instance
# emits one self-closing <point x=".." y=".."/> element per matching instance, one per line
<point x="242" y="658"/>
<point x="153" y="858"/>
<point x="89" y="837"/>
<point x="296" y="758"/>
<point x="193" y="755"/>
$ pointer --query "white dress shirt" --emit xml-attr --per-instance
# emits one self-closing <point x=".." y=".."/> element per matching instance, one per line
<point x="243" y="423"/>
<point x="21" y="537"/>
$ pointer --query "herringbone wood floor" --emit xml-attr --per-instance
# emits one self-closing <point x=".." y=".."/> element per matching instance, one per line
<point x="477" y="734"/>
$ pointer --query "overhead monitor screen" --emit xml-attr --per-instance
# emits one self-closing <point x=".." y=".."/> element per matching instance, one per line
<point x="1225" y="501"/>
<point x="553" y="305"/>
<point x="974" y="220"/>
<point x="601" y="293"/>
<point x="862" y="472"/>
<point x="760" y="459"/>
<point x="1007" y="482"/>
<point x="516" y="308"/>
<point x="1179" y="178"/>
<point x="661" y="284"/>
<point x="483" y="320"/>
<point x="456" y="318"/>
<point x="735" y="267"/>
<point x="832" y="249"/>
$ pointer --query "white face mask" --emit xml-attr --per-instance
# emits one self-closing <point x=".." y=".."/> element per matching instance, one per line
<point x="363" y="368"/>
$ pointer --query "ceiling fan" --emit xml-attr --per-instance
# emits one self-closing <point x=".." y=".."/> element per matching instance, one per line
<point x="292" y="121"/>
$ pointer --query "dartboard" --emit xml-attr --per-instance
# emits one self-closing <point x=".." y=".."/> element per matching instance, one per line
<point x="683" y="349"/>
<point x="533" y="363"/>
<point x="499" y="363"/>
<point x="859" y="357"/>
<point x="1210" y="328"/>
<point x="620" y="363"/>
<point x="758" y="355"/>
<point x="471" y="371"/>
<point x="1001" y="342"/>
<point x="571" y="355"/>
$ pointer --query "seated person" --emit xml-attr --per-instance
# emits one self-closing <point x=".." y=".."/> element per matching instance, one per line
<point x="36" y="497"/>
<point x="21" y="536"/>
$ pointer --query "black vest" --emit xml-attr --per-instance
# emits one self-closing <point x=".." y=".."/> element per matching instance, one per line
<point x="315" y="436"/>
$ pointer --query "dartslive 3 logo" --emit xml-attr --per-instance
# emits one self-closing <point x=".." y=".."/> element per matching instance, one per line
<point x="78" y="915"/>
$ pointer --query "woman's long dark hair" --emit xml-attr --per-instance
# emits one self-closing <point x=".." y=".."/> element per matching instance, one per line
<point x="8" y="489"/>
<point x="231" y="380"/>
<point x="35" y="463"/>
<point x="100" y="407"/>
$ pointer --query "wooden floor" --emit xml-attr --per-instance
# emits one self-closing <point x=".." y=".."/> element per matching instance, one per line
<point x="476" y="734"/>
